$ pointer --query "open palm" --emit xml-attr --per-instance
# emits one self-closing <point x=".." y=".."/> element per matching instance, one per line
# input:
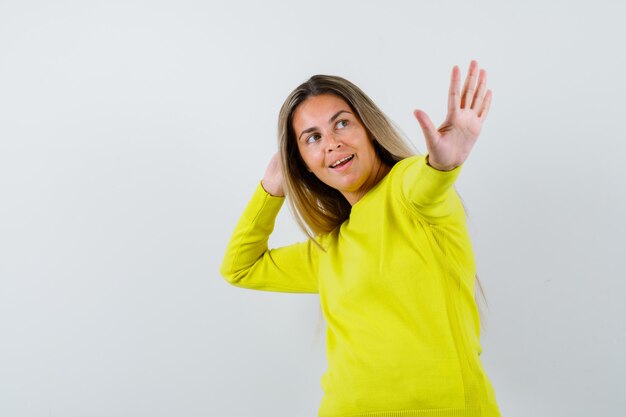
<point x="451" y="143"/>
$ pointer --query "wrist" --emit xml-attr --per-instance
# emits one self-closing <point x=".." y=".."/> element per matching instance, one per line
<point x="438" y="166"/>
<point x="272" y="189"/>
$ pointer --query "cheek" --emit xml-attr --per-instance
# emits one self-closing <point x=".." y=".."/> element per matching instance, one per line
<point x="306" y="158"/>
<point x="311" y="159"/>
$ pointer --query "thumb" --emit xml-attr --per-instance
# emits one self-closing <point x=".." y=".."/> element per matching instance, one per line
<point x="429" y="129"/>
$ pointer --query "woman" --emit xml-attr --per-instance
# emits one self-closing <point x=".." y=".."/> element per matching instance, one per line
<point x="388" y="252"/>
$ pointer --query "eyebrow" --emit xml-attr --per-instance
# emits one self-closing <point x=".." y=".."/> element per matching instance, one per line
<point x="332" y="119"/>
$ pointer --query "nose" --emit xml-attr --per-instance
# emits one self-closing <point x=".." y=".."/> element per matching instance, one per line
<point x="332" y="143"/>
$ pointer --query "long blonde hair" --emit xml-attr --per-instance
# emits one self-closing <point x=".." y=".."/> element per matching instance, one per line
<point x="317" y="207"/>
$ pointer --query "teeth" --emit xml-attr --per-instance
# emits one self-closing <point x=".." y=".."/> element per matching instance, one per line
<point x="341" y="160"/>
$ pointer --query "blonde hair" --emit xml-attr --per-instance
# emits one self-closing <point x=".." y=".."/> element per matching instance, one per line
<point x="317" y="207"/>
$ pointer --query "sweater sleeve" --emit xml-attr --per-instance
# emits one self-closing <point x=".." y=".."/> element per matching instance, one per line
<point x="248" y="263"/>
<point x="428" y="191"/>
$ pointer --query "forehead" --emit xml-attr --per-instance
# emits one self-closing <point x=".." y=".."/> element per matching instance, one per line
<point x="317" y="111"/>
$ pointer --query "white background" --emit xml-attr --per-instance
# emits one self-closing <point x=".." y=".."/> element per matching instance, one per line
<point x="132" y="134"/>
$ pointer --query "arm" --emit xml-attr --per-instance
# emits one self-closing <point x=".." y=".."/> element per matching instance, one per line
<point x="428" y="191"/>
<point x="248" y="262"/>
<point x="428" y="184"/>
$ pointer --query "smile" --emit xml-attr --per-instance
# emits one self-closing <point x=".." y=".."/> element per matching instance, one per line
<point x="341" y="161"/>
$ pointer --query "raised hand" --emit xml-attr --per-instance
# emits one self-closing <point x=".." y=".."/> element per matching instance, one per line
<point x="272" y="181"/>
<point x="450" y="144"/>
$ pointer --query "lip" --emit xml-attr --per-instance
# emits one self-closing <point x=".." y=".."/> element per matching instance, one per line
<point x="344" y="166"/>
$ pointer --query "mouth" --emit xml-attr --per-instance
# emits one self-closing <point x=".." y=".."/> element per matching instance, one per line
<point x="341" y="162"/>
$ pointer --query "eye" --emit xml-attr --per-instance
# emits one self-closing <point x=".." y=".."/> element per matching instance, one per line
<point x="341" y="124"/>
<point x="312" y="139"/>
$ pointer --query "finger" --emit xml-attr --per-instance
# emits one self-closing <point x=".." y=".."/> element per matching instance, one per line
<point x="454" y="96"/>
<point x="486" y="105"/>
<point x="470" y="85"/>
<point x="480" y="92"/>
<point x="429" y="129"/>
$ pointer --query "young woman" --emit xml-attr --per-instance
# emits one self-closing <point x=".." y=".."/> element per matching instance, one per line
<point x="388" y="250"/>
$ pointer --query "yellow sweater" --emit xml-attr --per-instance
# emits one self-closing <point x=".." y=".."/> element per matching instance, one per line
<point x="396" y="286"/>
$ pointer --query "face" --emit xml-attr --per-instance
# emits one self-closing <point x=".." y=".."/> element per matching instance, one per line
<point x="335" y="146"/>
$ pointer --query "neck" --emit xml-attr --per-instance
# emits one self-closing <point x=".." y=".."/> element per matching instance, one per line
<point x="378" y="174"/>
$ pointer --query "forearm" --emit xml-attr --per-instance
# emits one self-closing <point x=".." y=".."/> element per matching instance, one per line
<point x="249" y="240"/>
<point x="430" y="191"/>
<point x="248" y="262"/>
